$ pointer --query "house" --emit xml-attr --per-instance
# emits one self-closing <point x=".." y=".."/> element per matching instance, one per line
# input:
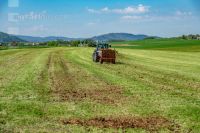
<point x="198" y="38"/>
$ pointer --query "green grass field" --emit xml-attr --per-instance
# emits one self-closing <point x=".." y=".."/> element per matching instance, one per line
<point x="153" y="88"/>
<point x="161" y="44"/>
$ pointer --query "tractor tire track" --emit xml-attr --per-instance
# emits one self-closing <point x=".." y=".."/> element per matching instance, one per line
<point x="66" y="85"/>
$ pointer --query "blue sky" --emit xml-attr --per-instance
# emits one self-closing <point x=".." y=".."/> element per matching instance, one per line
<point x="86" y="18"/>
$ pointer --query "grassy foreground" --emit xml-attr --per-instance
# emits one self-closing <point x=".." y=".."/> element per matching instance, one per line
<point x="62" y="90"/>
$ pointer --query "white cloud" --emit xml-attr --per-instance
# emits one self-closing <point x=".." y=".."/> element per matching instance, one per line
<point x="132" y="10"/>
<point x="105" y="9"/>
<point x="176" y="16"/>
<point x="128" y="17"/>
<point x="183" y="13"/>
<point x="128" y="10"/>
<point x="92" y="11"/>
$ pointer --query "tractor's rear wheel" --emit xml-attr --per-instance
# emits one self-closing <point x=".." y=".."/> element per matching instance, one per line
<point x="113" y="61"/>
<point x="101" y="61"/>
<point x="95" y="58"/>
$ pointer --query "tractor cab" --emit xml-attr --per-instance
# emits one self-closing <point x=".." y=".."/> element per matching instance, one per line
<point x="102" y="46"/>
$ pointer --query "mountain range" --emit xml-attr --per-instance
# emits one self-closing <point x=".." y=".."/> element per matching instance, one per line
<point x="43" y="39"/>
<point x="119" y="36"/>
<point x="10" y="38"/>
<point x="105" y="37"/>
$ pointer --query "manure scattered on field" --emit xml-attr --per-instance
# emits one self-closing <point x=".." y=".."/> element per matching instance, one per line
<point x="149" y="123"/>
<point x="64" y="86"/>
<point x="106" y="96"/>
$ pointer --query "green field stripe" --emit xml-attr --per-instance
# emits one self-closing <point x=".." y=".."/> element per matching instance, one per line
<point x="110" y="74"/>
<point x="163" y="56"/>
<point x="154" y="83"/>
<point x="22" y="76"/>
<point x="154" y="77"/>
<point x="187" y="69"/>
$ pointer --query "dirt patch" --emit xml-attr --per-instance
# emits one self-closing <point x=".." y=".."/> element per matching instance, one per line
<point x="65" y="85"/>
<point x="106" y="96"/>
<point x="150" y="123"/>
<point x="47" y="65"/>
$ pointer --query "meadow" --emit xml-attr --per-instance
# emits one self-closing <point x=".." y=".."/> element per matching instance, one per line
<point x="153" y="87"/>
<point x="160" y="44"/>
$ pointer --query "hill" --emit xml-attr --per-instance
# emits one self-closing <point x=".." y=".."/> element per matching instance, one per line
<point x="105" y="37"/>
<point x="119" y="36"/>
<point x="9" y="38"/>
<point x="44" y="39"/>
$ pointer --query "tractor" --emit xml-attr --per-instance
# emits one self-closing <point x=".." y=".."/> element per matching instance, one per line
<point x="103" y="53"/>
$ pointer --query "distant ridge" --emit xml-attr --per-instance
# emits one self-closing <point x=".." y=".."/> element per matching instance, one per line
<point x="119" y="36"/>
<point x="44" y="39"/>
<point x="4" y="37"/>
<point x="105" y="37"/>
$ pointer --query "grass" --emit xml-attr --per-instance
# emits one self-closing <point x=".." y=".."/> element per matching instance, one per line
<point x="160" y="44"/>
<point x="41" y="87"/>
<point x="3" y="48"/>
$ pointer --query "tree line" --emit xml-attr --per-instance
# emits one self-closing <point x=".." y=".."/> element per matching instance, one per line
<point x="56" y="43"/>
<point x="190" y="37"/>
<point x="72" y="43"/>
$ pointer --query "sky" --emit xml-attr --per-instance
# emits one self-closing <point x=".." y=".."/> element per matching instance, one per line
<point x="86" y="18"/>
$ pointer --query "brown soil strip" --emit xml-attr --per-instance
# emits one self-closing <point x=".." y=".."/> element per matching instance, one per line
<point x="65" y="84"/>
<point x="106" y="96"/>
<point x="150" y="123"/>
<point x="41" y="83"/>
<point x="44" y="72"/>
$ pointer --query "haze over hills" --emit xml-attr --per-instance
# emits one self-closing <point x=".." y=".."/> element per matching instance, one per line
<point x="44" y="39"/>
<point x="105" y="37"/>
<point x="119" y="36"/>
<point x="9" y="38"/>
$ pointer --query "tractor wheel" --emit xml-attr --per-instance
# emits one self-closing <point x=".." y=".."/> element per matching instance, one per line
<point x="113" y="61"/>
<point x="95" y="58"/>
<point x="101" y="61"/>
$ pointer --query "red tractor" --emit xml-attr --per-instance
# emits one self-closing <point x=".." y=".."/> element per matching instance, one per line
<point x="103" y="53"/>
